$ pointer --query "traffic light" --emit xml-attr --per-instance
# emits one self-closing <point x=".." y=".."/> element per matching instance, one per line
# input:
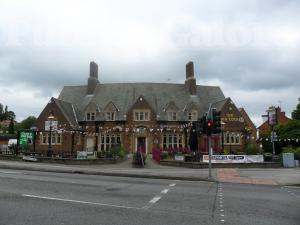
<point x="209" y="127"/>
<point x="216" y="121"/>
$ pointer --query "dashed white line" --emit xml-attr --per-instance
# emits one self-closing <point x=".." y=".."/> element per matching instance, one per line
<point x="10" y="172"/>
<point x="155" y="199"/>
<point x="172" y="185"/>
<point x="165" y="191"/>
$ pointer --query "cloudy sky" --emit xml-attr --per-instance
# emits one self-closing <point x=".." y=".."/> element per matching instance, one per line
<point x="251" y="49"/>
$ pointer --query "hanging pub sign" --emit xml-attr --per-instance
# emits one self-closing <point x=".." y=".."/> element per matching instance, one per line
<point x="26" y="137"/>
<point x="272" y="116"/>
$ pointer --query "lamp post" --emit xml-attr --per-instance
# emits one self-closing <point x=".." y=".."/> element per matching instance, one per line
<point x="50" y="119"/>
<point x="272" y="120"/>
<point x="222" y="133"/>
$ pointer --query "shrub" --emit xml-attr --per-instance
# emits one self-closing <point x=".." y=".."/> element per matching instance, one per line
<point x="115" y="152"/>
<point x="251" y="149"/>
<point x="226" y="151"/>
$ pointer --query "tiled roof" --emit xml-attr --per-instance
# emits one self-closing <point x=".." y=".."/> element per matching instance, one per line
<point x="124" y="95"/>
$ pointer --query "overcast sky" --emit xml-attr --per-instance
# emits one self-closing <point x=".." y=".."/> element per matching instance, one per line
<point x="251" y="49"/>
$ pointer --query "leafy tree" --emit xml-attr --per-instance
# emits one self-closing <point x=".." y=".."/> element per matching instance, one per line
<point x="11" y="127"/>
<point x="5" y="114"/>
<point x="27" y="123"/>
<point x="296" y="113"/>
<point x="289" y="130"/>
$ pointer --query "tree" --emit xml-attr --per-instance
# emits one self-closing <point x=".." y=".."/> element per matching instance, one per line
<point x="296" y="113"/>
<point x="11" y="127"/>
<point x="5" y="114"/>
<point x="27" y="123"/>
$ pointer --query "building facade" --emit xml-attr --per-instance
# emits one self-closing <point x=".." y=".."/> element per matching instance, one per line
<point x="137" y="116"/>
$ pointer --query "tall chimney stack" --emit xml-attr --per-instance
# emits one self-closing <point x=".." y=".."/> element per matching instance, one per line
<point x="93" y="79"/>
<point x="190" y="82"/>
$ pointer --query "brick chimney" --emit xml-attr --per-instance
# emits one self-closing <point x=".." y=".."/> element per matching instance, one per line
<point x="190" y="82"/>
<point x="93" y="79"/>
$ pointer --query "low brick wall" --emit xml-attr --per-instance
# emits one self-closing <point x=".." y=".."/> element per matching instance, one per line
<point x="66" y="161"/>
<point x="200" y="165"/>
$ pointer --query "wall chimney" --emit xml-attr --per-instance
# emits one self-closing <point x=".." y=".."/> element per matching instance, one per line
<point x="93" y="79"/>
<point x="190" y="82"/>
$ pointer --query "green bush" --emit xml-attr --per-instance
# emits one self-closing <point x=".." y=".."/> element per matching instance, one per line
<point x="251" y="149"/>
<point x="226" y="151"/>
<point x="116" y="152"/>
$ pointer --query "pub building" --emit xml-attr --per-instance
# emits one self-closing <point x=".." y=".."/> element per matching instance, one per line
<point x="137" y="116"/>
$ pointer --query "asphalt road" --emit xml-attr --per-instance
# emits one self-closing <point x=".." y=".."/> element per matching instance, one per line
<point x="41" y="198"/>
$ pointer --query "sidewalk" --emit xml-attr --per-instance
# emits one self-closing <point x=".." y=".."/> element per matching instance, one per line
<point x="278" y="176"/>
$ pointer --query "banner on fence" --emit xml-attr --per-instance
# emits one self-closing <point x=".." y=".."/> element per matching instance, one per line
<point x="86" y="155"/>
<point x="234" y="158"/>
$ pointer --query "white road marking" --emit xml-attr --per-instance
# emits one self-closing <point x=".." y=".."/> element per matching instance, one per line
<point x="165" y="191"/>
<point x="172" y="185"/>
<point x="10" y="172"/>
<point x="76" y="201"/>
<point x="155" y="199"/>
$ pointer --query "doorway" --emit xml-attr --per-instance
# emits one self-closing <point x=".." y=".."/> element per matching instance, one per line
<point x="141" y="144"/>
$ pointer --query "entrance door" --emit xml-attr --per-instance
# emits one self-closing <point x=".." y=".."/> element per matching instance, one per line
<point x="141" y="144"/>
<point x="90" y="144"/>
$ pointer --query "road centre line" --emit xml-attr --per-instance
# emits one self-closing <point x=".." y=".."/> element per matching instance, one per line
<point x="165" y="191"/>
<point x="172" y="185"/>
<point x="77" y="201"/>
<point x="155" y="199"/>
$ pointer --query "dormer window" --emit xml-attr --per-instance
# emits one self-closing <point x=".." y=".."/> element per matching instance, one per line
<point x="192" y="116"/>
<point x="172" y="116"/>
<point x="90" y="116"/>
<point x="110" y="116"/>
<point x="141" y="115"/>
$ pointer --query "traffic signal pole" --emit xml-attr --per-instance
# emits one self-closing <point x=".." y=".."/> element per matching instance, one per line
<point x="209" y="114"/>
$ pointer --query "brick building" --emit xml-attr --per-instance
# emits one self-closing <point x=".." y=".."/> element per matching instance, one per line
<point x="97" y="116"/>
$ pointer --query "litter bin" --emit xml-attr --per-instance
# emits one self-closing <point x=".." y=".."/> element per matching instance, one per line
<point x="288" y="160"/>
<point x="296" y="163"/>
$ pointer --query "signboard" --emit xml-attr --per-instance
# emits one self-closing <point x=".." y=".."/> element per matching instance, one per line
<point x="179" y="158"/>
<point x="272" y="117"/>
<point x="26" y="137"/>
<point x="86" y="155"/>
<point x="234" y="158"/>
<point x="52" y="123"/>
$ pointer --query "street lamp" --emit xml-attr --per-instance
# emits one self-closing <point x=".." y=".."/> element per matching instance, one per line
<point x="50" y="119"/>
<point x="222" y="133"/>
<point x="272" y="120"/>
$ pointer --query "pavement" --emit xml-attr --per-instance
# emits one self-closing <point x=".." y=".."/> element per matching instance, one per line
<point x="274" y="176"/>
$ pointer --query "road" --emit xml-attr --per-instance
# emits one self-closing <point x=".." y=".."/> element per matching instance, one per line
<point x="42" y="198"/>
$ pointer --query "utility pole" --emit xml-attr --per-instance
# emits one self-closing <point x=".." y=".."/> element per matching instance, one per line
<point x="209" y="124"/>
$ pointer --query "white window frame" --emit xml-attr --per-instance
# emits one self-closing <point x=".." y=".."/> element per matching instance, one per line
<point x="55" y="136"/>
<point x="232" y="138"/>
<point x="172" y="116"/>
<point x="90" y="116"/>
<point x="193" y="115"/>
<point x="172" y="140"/>
<point x="141" y="115"/>
<point x="110" y="116"/>
<point x="109" y="140"/>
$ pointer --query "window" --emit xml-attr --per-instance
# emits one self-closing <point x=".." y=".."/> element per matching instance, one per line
<point x="56" y="138"/>
<point x="108" y="141"/>
<point x="141" y="115"/>
<point x="232" y="138"/>
<point x="110" y="116"/>
<point x="90" y="116"/>
<point x="192" y="116"/>
<point x="172" y="141"/>
<point x="172" y="116"/>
